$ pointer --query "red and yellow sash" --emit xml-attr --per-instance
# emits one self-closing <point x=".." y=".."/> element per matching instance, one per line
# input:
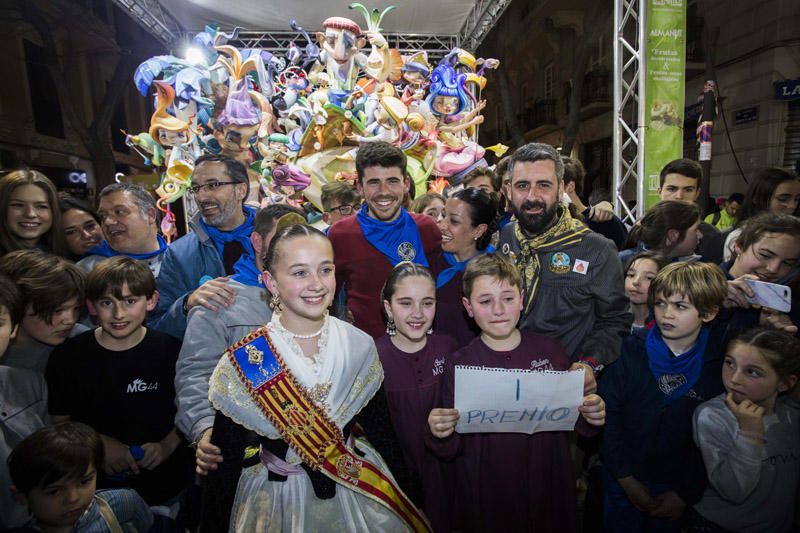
<point x="307" y="429"/>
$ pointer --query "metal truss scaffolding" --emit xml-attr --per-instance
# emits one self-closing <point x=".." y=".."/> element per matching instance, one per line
<point x="629" y="85"/>
<point x="480" y="20"/>
<point x="151" y="15"/>
<point x="482" y="17"/>
<point x="277" y="42"/>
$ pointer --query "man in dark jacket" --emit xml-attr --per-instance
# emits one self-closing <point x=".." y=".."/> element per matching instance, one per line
<point x="573" y="280"/>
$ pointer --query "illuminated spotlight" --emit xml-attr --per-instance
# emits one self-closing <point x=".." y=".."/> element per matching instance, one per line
<point x="194" y="55"/>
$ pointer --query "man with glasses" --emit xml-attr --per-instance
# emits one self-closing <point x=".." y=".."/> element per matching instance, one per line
<point x="196" y="268"/>
<point x="339" y="200"/>
<point x="129" y="219"/>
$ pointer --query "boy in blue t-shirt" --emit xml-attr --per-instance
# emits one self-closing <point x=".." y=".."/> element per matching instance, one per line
<point x="119" y="379"/>
<point x="652" y="469"/>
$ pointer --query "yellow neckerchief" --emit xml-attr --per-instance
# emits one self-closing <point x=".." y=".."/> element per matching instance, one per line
<point x="564" y="232"/>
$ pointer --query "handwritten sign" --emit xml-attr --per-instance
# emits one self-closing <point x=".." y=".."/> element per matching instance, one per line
<point x="497" y="400"/>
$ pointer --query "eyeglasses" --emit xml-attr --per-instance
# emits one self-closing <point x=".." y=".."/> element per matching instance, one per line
<point x="211" y="186"/>
<point x="343" y="209"/>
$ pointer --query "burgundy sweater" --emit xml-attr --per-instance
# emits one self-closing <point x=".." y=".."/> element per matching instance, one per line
<point x="528" y="477"/>
<point x="363" y="269"/>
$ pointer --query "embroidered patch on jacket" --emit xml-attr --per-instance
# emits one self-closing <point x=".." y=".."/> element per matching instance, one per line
<point x="668" y="383"/>
<point x="580" y="266"/>
<point x="406" y="251"/>
<point x="559" y="263"/>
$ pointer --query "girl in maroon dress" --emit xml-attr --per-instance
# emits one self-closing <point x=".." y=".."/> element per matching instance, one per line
<point x="413" y="361"/>
<point x="507" y="481"/>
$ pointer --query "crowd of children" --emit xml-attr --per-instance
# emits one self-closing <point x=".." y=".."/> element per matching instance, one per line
<point x="309" y="424"/>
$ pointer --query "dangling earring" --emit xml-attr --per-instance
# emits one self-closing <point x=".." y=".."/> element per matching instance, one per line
<point x="391" y="329"/>
<point x="275" y="304"/>
<point x="430" y="330"/>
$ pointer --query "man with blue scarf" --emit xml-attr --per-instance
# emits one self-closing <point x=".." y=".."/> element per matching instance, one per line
<point x="366" y="247"/>
<point x="129" y="219"/>
<point x="196" y="268"/>
<point x="653" y="472"/>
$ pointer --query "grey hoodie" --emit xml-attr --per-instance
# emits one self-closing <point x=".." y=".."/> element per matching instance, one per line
<point x="208" y="335"/>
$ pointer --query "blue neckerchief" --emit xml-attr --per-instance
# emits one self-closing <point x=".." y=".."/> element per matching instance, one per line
<point x="456" y="266"/>
<point x="675" y="375"/>
<point x="246" y="272"/>
<point x="240" y="233"/>
<point x="398" y="240"/>
<point x="505" y="219"/>
<point x="726" y="269"/>
<point x="107" y="251"/>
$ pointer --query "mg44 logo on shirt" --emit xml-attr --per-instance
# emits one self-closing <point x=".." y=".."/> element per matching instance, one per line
<point x="137" y="385"/>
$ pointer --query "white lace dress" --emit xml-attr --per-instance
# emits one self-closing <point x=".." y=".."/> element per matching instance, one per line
<point x="342" y="378"/>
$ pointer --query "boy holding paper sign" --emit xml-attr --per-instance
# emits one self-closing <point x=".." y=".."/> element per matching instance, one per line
<point x="507" y="481"/>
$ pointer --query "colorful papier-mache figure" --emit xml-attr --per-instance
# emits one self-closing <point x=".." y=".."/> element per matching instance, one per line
<point x="306" y="112"/>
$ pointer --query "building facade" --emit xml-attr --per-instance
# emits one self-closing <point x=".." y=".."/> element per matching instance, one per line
<point x="36" y="129"/>
<point x="756" y="60"/>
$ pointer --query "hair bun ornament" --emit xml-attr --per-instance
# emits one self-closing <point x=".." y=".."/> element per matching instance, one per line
<point x="289" y="219"/>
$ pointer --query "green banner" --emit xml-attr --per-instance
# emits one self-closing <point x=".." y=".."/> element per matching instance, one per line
<point x="665" y="61"/>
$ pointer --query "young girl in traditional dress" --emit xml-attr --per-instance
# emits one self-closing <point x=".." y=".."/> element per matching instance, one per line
<point x="413" y="360"/>
<point x="299" y="384"/>
<point x="507" y="481"/>
<point x="749" y="438"/>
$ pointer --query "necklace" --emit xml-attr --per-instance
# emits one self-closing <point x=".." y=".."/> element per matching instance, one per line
<point x="297" y="335"/>
<point x="309" y="336"/>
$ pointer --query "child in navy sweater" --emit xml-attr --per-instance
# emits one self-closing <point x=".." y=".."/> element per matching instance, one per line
<point x="652" y="468"/>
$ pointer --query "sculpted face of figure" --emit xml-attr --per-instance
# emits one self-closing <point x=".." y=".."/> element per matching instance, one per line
<point x="382" y="117"/>
<point x="172" y="138"/>
<point x="171" y="188"/>
<point x="219" y="92"/>
<point x="235" y="140"/>
<point x="414" y="78"/>
<point x="445" y="105"/>
<point x="279" y="152"/>
<point x="340" y="44"/>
